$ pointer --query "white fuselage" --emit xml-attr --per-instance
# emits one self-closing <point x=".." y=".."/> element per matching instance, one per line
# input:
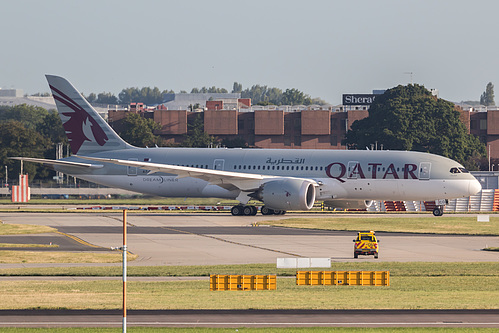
<point x="341" y="174"/>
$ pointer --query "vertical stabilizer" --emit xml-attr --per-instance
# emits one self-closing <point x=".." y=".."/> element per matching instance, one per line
<point x="87" y="132"/>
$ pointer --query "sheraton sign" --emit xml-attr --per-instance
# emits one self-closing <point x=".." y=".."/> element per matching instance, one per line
<point x="358" y="99"/>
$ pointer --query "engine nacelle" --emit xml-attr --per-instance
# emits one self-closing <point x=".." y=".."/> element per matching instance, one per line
<point x="288" y="194"/>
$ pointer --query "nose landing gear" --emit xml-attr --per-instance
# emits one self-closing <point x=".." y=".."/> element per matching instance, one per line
<point x="438" y="211"/>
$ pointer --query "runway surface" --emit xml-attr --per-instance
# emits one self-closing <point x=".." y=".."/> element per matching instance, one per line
<point x="252" y="318"/>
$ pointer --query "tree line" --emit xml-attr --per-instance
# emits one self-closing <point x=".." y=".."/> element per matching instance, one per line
<point x="29" y="131"/>
<point x="260" y="95"/>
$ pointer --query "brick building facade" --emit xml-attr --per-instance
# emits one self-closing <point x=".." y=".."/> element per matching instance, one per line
<point x="288" y="127"/>
<point x="273" y="127"/>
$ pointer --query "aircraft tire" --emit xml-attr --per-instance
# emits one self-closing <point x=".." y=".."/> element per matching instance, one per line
<point x="237" y="210"/>
<point x="266" y="211"/>
<point x="247" y="210"/>
<point x="437" y="211"/>
<point x="254" y="210"/>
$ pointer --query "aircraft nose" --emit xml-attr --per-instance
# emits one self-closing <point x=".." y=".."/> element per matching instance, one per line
<point x="474" y="187"/>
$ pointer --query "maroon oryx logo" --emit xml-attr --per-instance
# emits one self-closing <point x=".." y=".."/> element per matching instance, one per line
<point x="78" y="120"/>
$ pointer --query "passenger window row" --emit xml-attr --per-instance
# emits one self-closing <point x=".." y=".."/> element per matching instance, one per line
<point x="278" y="167"/>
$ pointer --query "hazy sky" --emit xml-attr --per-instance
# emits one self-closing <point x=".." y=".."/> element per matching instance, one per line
<point x="323" y="48"/>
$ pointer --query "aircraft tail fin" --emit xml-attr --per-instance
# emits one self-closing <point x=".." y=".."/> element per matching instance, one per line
<point x="87" y="132"/>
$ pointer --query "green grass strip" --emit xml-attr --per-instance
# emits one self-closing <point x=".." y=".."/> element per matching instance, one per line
<point x="395" y="268"/>
<point x="28" y="245"/>
<point x="462" y="225"/>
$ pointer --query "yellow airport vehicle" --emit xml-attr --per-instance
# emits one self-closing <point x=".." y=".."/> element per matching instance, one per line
<point x="365" y="244"/>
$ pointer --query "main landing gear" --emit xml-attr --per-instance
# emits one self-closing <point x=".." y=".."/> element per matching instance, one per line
<point x="268" y="211"/>
<point x="242" y="210"/>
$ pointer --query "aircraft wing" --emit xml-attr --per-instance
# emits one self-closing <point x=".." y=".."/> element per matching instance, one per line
<point x="57" y="162"/>
<point x="226" y="179"/>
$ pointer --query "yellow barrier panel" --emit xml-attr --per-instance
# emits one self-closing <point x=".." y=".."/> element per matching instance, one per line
<point x="243" y="282"/>
<point x="345" y="278"/>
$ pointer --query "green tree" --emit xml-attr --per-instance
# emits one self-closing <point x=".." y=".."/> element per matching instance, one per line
<point x="18" y="140"/>
<point x="410" y="118"/>
<point x="295" y="97"/>
<point x="106" y="98"/>
<point x="91" y="98"/>
<point x="211" y="90"/>
<point x="196" y="136"/>
<point x="51" y="128"/>
<point x="263" y="94"/>
<point x="139" y="131"/>
<point x="237" y="87"/>
<point x="30" y="116"/>
<point x="487" y="97"/>
<point x="146" y="95"/>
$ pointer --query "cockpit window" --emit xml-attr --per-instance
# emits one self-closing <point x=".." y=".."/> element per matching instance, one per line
<point x="458" y="170"/>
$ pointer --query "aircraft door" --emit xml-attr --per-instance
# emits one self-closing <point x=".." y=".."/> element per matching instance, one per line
<point x="218" y="164"/>
<point x="131" y="171"/>
<point x="424" y="170"/>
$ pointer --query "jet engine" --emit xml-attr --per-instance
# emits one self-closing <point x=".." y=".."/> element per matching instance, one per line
<point x="287" y="194"/>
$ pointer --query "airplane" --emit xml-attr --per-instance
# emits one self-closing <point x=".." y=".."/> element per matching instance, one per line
<point x="282" y="179"/>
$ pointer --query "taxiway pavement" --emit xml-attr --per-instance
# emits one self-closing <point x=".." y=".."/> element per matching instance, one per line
<point x="200" y="239"/>
<point x="251" y="318"/>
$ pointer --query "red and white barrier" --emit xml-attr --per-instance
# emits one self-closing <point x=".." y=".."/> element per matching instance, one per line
<point x="21" y="192"/>
<point x="207" y="208"/>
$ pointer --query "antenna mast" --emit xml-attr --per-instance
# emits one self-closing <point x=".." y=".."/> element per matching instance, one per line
<point x="411" y="74"/>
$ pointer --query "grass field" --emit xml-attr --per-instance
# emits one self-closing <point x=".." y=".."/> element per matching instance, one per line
<point x="430" y="292"/>
<point x="20" y="229"/>
<point x="396" y="269"/>
<point x="465" y="225"/>
<point x="54" y="257"/>
<point x="412" y="286"/>
<point x="3" y="245"/>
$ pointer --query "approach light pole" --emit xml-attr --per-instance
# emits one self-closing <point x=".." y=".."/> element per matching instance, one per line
<point x="124" y="249"/>
<point x="124" y="270"/>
